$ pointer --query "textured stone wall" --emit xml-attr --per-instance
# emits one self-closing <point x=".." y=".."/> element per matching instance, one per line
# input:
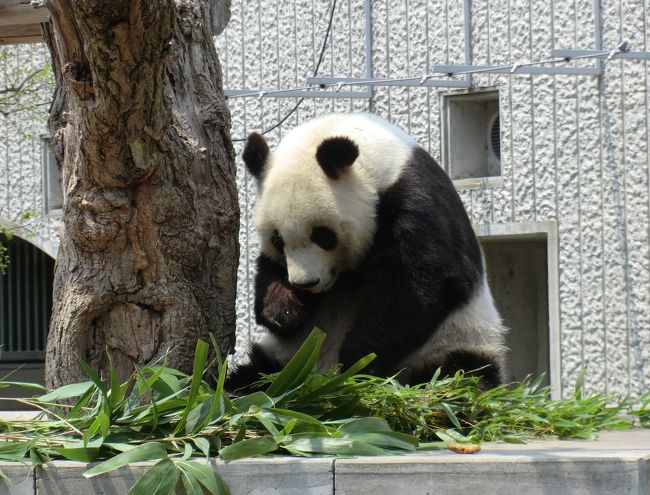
<point x="574" y="148"/>
<point x="21" y="174"/>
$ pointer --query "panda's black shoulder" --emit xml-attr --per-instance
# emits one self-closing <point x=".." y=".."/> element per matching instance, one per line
<point x="423" y="210"/>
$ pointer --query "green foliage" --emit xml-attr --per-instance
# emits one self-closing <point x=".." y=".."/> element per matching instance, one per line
<point x="177" y="420"/>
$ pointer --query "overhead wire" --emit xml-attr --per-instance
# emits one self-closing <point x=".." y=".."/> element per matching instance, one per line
<point x="316" y="87"/>
<point x="260" y="94"/>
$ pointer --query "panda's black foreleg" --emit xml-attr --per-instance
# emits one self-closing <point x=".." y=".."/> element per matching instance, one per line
<point x="278" y="306"/>
<point x="244" y="376"/>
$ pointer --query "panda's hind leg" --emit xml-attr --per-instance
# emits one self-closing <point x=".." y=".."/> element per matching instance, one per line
<point x="243" y="377"/>
<point x="485" y="365"/>
<point x="474" y="363"/>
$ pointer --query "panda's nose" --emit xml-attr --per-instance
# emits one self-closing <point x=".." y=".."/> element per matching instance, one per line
<point x="307" y="285"/>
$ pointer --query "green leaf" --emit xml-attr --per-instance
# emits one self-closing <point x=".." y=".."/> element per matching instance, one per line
<point x="160" y="479"/>
<point x="189" y="450"/>
<point x="30" y="386"/>
<point x="365" y="425"/>
<point x="37" y="457"/>
<point x="198" y="416"/>
<point x="308" y="444"/>
<point x="144" y="452"/>
<point x="260" y="399"/>
<point x="14" y="451"/>
<point x="203" y="444"/>
<point x="218" y="405"/>
<point x="450" y="414"/>
<point x="391" y="440"/>
<point x="301" y="364"/>
<point x="200" y="357"/>
<point x="92" y="374"/>
<point x="514" y="439"/>
<point x="283" y="415"/>
<point x="206" y="476"/>
<point x="77" y="451"/>
<point x="66" y="392"/>
<point x="116" y="394"/>
<point x="248" y="448"/>
<point x="191" y="484"/>
<point x="335" y="382"/>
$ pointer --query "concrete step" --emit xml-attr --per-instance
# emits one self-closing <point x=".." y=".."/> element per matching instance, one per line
<point x="617" y="463"/>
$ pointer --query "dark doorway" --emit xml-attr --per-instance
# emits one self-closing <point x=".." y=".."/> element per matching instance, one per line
<point x="25" y="310"/>
<point x="518" y="277"/>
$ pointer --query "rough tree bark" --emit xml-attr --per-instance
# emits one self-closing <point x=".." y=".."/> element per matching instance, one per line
<point x="140" y="128"/>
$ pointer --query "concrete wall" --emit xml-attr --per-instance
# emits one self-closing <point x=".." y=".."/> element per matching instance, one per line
<point x="21" y="182"/>
<point x="574" y="148"/>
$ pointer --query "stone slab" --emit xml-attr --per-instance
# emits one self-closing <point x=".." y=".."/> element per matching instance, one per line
<point x="264" y="476"/>
<point x="21" y="481"/>
<point x="619" y="463"/>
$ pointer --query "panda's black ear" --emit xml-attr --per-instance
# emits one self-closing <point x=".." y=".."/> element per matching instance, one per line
<point x="255" y="154"/>
<point x="335" y="154"/>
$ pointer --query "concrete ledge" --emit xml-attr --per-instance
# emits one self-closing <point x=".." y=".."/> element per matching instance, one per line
<point x="278" y="475"/>
<point x="618" y="463"/>
<point x="21" y="481"/>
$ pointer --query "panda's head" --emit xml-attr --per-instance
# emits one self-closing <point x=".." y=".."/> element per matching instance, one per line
<point x="314" y="211"/>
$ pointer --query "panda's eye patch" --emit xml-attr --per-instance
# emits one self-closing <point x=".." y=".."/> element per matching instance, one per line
<point x="277" y="242"/>
<point x="324" y="237"/>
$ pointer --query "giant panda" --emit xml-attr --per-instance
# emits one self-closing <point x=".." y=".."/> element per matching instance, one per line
<point x="364" y="236"/>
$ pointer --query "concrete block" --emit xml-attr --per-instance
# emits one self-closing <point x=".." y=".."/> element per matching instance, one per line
<point x="21" y="481"/>
<point x="429" y="475"/>
<point x="278" y="476"/>
<point x="66" y="478"/>
<point x="619" y="463"/>
<point x="264" y="476"/>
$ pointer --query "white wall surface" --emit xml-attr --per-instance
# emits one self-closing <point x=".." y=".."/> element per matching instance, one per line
<point x="574" y="148"/>
<point x="21" y="183"/>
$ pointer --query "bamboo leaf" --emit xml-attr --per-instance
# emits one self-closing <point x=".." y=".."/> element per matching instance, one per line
<point x="259" y="399"/>
<point x="206" y="476"/>
<point x="218" y="405"/>
<point x="365" y="425"/>
<point x="160" y="479"/>
<point x="341" y="378"/>
<point x="78" y="451"/>
<point x="248" y="448"/>
<point x="203" y="444"/>
<point x="200" y="357"/>
<point x="191" y="484"/>
<point x="92" y="374"/>
<point x="299" y="366"/>
<point x="450" y="413"/>
<point x="30" y="386"/>
<point x="144" y="452"/>
<point x="14" y="451"/>
<point x="308" y="444"/>
<point x="391" y="440"/>
<point x="66" y="392"/>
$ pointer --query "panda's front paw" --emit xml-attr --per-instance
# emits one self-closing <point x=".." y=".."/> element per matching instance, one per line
<point x="283" y="311"/>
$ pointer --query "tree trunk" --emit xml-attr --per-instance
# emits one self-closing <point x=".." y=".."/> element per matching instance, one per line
<point x="141" y="130"/>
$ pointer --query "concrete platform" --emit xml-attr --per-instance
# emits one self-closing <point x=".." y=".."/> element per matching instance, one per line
<point x="617" y="463"/>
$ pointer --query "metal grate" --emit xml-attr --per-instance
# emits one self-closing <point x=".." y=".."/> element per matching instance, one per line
<point x="25" y="302"/>
<point x="495" y="137"/>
